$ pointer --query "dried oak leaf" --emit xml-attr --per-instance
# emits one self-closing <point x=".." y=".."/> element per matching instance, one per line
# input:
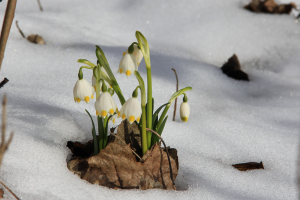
<point x="116" y="167"/>
<point x="270" y="6"/>
<point x="35" y="39"/>
<point x="249" y="166"/>
<point x="232" y="68"/>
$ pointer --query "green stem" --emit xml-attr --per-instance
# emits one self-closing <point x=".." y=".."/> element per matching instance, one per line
<point x="105" y="132"/>
<point x="143" y="102"/>
<point x="144" y="134"/>
<point x="149" y="105"/>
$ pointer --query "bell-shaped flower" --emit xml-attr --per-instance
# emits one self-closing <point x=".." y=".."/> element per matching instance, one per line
<point x="83" y="91"/>
<point x="131" y="110"/>
<point x="94" y="79"/>
<point x="184" y="111"/>
<point x="113" y="118"/>
<point x="128" y="64"/>
<point x="137" y="54"/>
<point x="105" y="105"/>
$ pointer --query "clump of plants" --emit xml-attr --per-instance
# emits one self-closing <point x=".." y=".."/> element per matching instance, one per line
<point x="105" y="85"/>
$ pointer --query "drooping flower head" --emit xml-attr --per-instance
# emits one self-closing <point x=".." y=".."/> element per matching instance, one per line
<point x="131" y="110"/>
<point x="184" y="110"/>
<point x="83" y="91"/>
<point x="128" y="64"/>
<point x="105" y="105"/>
<point x="137" y="54"/>
<point x="94" y="79"/>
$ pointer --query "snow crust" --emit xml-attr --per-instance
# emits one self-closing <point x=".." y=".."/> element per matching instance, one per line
<point x="230" y="122"/>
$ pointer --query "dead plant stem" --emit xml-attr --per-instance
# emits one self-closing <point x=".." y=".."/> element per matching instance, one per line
<point x="9" y="190"/>
<point x="7" y="21"/>
<point x="40" y="5"/>
<point x="175" y="105"/>
<point x="20" y="29"/>
<point x="168" y="155"/>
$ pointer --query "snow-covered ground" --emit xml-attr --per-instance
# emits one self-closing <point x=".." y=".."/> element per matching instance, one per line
<point x="231" y="121"/>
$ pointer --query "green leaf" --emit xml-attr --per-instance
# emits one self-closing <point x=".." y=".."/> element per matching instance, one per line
<point x="103" y="62"/>
<point x="84" y="61"/>
<point x="144" y="46"/>
<point x="155" y="115"/>
<point x="155" y="138"/>
<point x="178" y="93"/>
<point x="101" y="133"/>
<point x="96" y="149"/>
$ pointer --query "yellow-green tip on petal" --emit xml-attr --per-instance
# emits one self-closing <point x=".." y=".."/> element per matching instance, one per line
<point x="184" y="119"/>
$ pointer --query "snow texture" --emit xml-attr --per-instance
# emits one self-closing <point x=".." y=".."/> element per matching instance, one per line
<point x="230" y="122"/>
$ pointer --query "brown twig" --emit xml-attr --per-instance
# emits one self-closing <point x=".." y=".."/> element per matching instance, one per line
<point x="20" y="29"/>
<point x="171" y="173"/>
<point x="40" y="5"/>
<point x="9" y="190"/>
<point x="7" y="21"/>
<point x="175" y="105"/>
<point x="3" y="145"/>
<point x="126" y="144"/>
<point x="5" y="80"/>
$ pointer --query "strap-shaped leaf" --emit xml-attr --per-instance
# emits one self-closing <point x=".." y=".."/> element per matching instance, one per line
<point x="96" y="149"/>
<point x="155" y="115"/>
<point x="103" y="61"/>
<point x="101" y="133"/>
<point x="84" y="61"/>
<point x="144" y="46"/>
<point x="178" y="93"/>
<point x="155" y="138"/>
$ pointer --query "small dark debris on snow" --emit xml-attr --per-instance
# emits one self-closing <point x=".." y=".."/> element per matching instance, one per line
<point x="1" y="193"/>
<point x="269" y="6"/>
<point x="232" y="69"/>
<point x="5" y="80"/>
<point x="249" y="166"/>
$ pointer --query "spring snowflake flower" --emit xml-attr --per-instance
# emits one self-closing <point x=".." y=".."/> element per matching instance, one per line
<point x="131" y="110"/>
<point x="83" y="91"/>
<point x="105" y="105"/>
<point x="128" y="64"/>
<point x="184" y="111"/>
<point x="137" y="54"/>
<point x="94" y="80"/>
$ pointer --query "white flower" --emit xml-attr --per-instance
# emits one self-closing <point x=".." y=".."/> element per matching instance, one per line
<point x="184" y="111"/>
<point x="137" y="54"/>
<point x="105" y="105"/>
<point x="94" y="80"/>
<point x="128" y="64"/>
<point x="131" y="110"/>
<point x="83" y="91"/>
<point x="113" y="118"/>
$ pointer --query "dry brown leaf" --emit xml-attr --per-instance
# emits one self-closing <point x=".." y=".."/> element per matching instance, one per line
<point x="249" y="166"/>
<point x="35" y="39"/>
<point x="117" y="167"/>
<point x="270" y="6"/>
<point x="232" y="69"/>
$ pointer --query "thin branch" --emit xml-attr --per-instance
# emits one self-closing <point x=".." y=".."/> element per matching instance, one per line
<point x="5" y="80"/>
<point x="20" y="29"/>
<point x="175" y="105"/>
<point x="40" y="5"/>
<point x="9" y="190"/>
<point x="7" y="21"/>
<point x="3" y="145"/>
<point x="171" y="173"/>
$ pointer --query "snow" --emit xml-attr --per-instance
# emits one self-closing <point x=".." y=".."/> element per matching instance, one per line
<point x="230" y="122"/>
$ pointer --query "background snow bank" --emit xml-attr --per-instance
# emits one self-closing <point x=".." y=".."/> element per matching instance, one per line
<point x="231" y="121"/>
